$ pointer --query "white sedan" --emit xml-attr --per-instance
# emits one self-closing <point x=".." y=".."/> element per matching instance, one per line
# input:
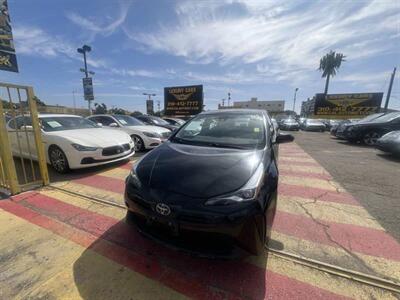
<point x="144" y="136"/>
<point x="71" y="142"/>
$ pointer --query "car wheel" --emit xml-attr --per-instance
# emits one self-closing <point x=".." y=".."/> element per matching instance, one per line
<point x="139" y="144"/>
<point x="370" y="138"/>
<point x="58" y="160"/>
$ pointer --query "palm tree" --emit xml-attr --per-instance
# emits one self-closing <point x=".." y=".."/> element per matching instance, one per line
<point x="329" y="64"/>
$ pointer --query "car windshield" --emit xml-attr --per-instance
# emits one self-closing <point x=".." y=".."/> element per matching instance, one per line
<point x="388" y="117"/>
<point x="227" y="130"/>
<point x="159" y="121"/>
<point x="128" y="120"/>
<point x="66" y="123"/>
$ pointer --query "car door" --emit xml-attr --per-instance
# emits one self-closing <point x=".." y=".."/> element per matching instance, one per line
<point x="21" y="136"/>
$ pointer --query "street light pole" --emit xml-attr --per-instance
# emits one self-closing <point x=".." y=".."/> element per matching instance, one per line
<point x="83" y="50"/>
<point x="294" y="98"/>
<point x="73" y="96"/>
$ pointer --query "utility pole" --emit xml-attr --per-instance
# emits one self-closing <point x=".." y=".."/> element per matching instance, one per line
<point x="389" y="90"/>
<point x="74" y="102"/>
<point x="229" y="99"/>
<point x="294" y="98"/>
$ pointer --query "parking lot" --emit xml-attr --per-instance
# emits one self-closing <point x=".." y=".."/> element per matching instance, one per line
<point x="70" y="240"/>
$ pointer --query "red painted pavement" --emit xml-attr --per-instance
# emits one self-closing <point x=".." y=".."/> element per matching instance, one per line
<point x="351" y="237"/>
<point x="187" y="275"/>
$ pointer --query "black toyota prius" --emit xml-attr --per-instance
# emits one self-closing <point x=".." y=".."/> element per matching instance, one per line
<point x="213" y="182"/>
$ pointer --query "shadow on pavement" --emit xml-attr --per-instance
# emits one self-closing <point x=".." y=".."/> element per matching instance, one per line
<point x="96" y="277"/>
<point x="390" y="157"/>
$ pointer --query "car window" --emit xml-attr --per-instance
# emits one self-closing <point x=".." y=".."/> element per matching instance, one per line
<point x="128" y="120"/>
<point x="244" y="130"/>
<point x="159" y="121"/>
<point x="65" y="123"/>
<point x="20" y="121"/>
<point x="105" y="121"/>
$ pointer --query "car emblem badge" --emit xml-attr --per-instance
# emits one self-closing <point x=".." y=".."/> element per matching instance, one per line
<point x="163" y="209"/>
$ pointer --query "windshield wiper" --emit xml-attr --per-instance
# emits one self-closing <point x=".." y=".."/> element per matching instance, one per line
<point x="217" y="145"/>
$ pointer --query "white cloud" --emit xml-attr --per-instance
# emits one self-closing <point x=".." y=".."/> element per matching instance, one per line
<point x="95" y="26"/>
<point x="289" y="34"/>
<point x="30" y="40"/>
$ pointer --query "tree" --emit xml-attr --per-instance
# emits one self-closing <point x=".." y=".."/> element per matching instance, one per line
<point x="117" y="111"/>
<point x="100" y="109"/>
<point x="136" y="113"/>
<point x="329" y="64"/>
<point x="38" y="101"/>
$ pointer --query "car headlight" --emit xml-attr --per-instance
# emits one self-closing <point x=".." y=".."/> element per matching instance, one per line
<point x="84" y="148"/>
<point x="152" y="134"/>
<point x="247" y="193"/>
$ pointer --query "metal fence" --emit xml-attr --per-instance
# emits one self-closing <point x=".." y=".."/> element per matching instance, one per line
<point x="22" y="156"/>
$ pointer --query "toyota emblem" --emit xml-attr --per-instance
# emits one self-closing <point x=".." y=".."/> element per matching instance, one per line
<point x="163" y="209"/>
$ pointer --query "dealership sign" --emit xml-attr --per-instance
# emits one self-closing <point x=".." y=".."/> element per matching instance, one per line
<point x="8" y="59"/>
<point x="341" y="106"/>
<point x="88" y="88"/>
<point x="183" y="100"/>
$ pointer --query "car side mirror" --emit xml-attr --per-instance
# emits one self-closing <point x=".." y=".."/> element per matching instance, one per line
<point x="284" y="138"/>
<point x="100" y="124"/>
<point x="113" y="125"/>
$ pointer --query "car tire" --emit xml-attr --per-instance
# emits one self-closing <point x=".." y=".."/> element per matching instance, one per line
<point x="139" y="144"/>
<point x="371" y="137"/>
<point x="58" y="160"/>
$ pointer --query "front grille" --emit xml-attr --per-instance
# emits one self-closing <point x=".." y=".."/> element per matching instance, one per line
<point x="114" y="150"/>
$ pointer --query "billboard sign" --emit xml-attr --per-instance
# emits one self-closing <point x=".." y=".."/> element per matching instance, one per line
<point x="8" y="59"/>
<point x="342" y="106"/>
<point x="183" y="100"/>
<point x="88" y="88"/>
<point x="150" y="107"/>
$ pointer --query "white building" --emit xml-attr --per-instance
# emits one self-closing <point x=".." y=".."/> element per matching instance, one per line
<point x="270" y="106"/>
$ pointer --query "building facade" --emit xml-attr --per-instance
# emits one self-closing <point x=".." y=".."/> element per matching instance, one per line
<point x="272" y="107"/>
<point x="307" y="107"/>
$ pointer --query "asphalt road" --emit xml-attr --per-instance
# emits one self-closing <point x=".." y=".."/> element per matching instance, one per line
<point x="371" y="176"/>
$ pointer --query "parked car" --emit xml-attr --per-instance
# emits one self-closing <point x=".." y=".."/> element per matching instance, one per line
<point x="216" y="176"/>
<point x="289" y="124"/>
<point x="370" y="132"/>
<point x="342" y="128"/>
<point x="144" y="136"/>
<point x="71" y="142"/>
<point x="313" y="125"/>
<point x="156" y="121"/>
<point x="390" y="142"/>
<point x="174" y="121"/>
<point x="340" y="124"/>
<point x="330" y="123"/>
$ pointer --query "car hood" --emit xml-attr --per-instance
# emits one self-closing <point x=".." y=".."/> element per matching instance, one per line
<point x="93" y="137"/>
<point x="198" y="172"/>
<point x="149" y="128"/>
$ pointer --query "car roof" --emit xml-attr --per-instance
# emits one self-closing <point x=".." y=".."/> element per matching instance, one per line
<point x="56" y="115"/>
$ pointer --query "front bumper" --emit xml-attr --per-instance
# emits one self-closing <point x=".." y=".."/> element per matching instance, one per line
<point x="85" y="159"/>
<point x="150" y="143"/>
<point x="315" y="128"/>
<point x="202" y="232"/>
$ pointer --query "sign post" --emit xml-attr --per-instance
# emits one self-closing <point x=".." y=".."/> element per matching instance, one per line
<point x="183" y="100"/>
<point x="8" y="58"/>
<point x="345" y="106"/>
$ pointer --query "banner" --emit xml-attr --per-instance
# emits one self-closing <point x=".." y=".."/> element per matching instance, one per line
<point x="345" y="106"/>
<point x="150" y="107"/>
<point x="8" y="59"/>
<point x="88" y="88"/>
<point x="183" y="100"/>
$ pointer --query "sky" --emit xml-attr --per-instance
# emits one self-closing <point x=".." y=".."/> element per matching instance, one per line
<point x="255" y="48"/>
